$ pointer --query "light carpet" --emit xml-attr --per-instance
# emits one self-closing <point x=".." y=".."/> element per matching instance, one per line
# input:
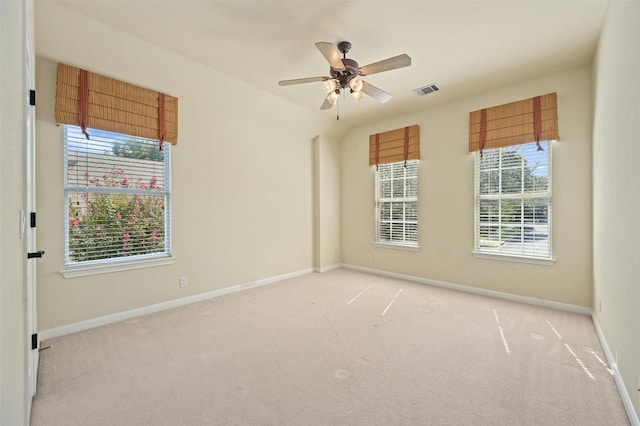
<point x="337" y="348"/>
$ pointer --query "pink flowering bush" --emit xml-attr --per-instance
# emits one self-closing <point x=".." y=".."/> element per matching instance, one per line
<point x="109" y="225"/>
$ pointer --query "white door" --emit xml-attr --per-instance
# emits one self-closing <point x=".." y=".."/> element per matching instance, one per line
<point x="30" y="183"/>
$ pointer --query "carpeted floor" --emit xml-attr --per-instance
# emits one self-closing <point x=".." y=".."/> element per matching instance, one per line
<point x="337" y="348"/>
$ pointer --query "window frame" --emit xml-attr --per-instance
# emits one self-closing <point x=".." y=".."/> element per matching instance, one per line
<point x="119" y="263"/>
<point x="379" y="201"/>
<point x="486" y="253"/>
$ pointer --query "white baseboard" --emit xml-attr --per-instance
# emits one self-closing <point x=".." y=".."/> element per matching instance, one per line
<point x="480" y="291"/>
<point x="328" y="268"/>
<point x="120" y="316"/>
<point x="108" y="319"/>
<point x="622" y="389"/>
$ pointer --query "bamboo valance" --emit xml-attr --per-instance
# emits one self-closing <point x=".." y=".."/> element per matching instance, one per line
<point x="395" y="145"/>
<point x="529" y="120"/>
<point x="91" y="100"/>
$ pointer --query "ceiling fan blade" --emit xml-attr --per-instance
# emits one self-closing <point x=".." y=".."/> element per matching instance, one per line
<point x="399" y="61"/>
<point x="302" y="80"/>
<point x="331" y="54"/>
<point x="376" y="93"/>
<point x="327" y="104"/>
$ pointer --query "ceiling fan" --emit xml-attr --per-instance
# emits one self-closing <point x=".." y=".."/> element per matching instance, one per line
<point x="345" y="74"/>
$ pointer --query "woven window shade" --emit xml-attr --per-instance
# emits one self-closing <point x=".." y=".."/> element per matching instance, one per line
<point x="514" y="123"/>
<point x="115" y="106"/>
<point x="395" y="145"/>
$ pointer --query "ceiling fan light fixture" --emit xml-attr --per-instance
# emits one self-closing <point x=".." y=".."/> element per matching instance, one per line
<point x="333" y="96"/>
<point x="356" y="84"/>
<point x="329" y="86"/>
<point x="344" y="74"/>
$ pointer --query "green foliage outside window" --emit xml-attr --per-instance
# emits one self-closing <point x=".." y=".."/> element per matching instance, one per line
<point x="105" y="224"/>
<point x="134" y="149"/>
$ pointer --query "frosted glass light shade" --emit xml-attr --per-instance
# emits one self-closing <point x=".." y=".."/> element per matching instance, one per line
<point x="356" y="84"/>
<point x="333" y="97"/>
<point x="329" y="86"/>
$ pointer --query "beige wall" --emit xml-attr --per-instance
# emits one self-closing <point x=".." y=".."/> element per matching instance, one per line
<point x="241" y="172"/>
<point x="327" y="203"/>
<point x="13" y="329"/>
<point x="616" y="197"/>
<point x="226" y="170"/>
<point x="446" y="198"/>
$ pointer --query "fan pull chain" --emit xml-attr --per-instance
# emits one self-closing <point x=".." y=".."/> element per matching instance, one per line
<point x="338" y="109"/>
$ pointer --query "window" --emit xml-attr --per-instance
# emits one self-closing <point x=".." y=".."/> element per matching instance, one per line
<point x="117" y="198"/>
<point x="397" y="203"/>
<point x="513" y="201"/>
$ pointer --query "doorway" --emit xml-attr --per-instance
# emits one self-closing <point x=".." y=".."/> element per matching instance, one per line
<point x="29" y="215"/>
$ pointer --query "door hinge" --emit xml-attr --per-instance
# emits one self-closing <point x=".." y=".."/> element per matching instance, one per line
<point x="34" y="341"/>
<point x="32" y="97"/>
<point x="32" y="218"/>
<point x="35" y="254"/>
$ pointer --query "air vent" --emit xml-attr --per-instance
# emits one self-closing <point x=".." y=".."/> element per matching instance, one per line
<point x="425" y="90"/>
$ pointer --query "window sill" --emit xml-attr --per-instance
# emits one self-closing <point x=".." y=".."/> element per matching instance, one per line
<point x="81" y="271"/>
<point x="513" y="258"/>
<point x="396" y="246"/>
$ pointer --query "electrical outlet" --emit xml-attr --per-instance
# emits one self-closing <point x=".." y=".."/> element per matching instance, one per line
<point x="183" y="281"/>
<point x="369" y="258"/>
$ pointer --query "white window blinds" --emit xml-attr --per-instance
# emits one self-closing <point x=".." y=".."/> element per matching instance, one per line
<point x="513" y="201"/>
<point x="117" y="193"/>
<point x="397" y="203"/>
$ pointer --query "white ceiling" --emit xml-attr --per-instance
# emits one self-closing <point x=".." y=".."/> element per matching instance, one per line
<point x="465" y="47"/>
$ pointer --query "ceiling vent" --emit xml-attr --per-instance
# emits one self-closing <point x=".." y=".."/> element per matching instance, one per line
<point x="425" y="90"/>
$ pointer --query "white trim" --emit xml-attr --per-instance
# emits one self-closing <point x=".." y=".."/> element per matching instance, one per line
<point x="410" y="166"/>
<point x="81" y="271"/>
<point x="327" y="268"/>
<point x="512" y="258"/>
<point x="396" y="246"/>
<point x="120" y="316"/>
<point x="478" y="252"/>
<point x="622" y="390"/>
<point x="109" y="319"/>
<point x="481" y="291"/>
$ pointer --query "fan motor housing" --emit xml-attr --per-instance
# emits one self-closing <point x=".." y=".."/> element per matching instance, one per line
<point x="349" y="72"/>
